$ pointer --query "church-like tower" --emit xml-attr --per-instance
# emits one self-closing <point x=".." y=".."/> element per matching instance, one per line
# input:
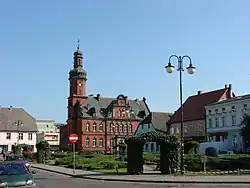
<point x="77" y="82"/>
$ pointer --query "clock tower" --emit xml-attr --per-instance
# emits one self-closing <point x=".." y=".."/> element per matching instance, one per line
<point x="77" y="82"/>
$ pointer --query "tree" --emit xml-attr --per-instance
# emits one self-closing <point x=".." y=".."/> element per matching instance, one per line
<point x="43" y="151"/>
<point x="245" y="131"/>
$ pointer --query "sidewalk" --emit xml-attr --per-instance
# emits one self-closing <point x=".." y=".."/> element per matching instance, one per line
<point x="146" y="178"/>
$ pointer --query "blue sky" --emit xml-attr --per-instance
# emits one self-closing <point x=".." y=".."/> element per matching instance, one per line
<point x="126" y="44"/>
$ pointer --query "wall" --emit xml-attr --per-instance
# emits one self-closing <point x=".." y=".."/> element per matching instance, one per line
<point x="13" y="140"/>
<point x="51" y="138"/>
<point x="229" y="115"/>
<point x="150" y="147"/>
<point x="100" y="134"/>
<point x="46" y="126"/>
<point x="191" y="128"/>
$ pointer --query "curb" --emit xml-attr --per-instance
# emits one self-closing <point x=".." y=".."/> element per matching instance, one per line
<point x="143" y="181"/>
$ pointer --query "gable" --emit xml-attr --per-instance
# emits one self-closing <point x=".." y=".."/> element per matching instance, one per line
<point x="144" y="128"/>
<point x="194" y="106"/>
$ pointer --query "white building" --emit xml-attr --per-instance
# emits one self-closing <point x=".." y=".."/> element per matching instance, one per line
<point x="16" y="127"/>
<point x="223" y="122"/>
<point x="47" y="130"/>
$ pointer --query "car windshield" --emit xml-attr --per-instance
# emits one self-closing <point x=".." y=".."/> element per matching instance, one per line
<point x="13" y="169"/>
<point x="14" y="158"/>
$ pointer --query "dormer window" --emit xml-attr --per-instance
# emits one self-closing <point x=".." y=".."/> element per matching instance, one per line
<point x="245" y="106"/>
<point x="210" y="112"/>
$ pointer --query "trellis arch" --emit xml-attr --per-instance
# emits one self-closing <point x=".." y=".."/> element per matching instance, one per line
<point x="169" y="148"/>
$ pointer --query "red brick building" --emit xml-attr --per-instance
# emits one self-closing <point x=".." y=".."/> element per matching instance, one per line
<point x="98" y="121"/>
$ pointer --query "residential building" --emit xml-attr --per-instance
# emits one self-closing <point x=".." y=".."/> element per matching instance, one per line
<point x="98" y="121"/>
<point x="154" y="122"/>
<point x="223" y="119"/>
<point x="194" y="113"/>
<point x="47" y="130"/>
<point x="16" y="127"/>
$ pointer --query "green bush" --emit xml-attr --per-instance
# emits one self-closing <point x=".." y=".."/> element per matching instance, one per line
<point x="59" y="155"/>
<point x="191" y="147"/>
<point x="151" y="158"/>
<point x="211" y="151"/>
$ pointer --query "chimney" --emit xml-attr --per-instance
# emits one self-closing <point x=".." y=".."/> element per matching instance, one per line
<point x="98" y="96"/>
<point x="225" y="86"/>
<point x="230" y="92"/>
<point x="198" y="92"/>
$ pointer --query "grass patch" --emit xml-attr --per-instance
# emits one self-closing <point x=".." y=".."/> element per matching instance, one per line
<point x="113" y="171"/>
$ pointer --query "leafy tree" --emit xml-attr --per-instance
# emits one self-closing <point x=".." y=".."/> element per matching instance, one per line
<point x="245" y="131"/>
<point x="43" y="151"/>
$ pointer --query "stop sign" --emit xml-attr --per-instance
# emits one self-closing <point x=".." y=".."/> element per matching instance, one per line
<point x="73" y="138"/>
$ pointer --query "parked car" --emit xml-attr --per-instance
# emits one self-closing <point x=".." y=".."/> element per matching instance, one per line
<point x="19" y="158"/>
<point x="16" y="174"/>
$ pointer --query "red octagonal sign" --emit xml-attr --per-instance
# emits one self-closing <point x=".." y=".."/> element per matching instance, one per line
<point x="73" y="138"/>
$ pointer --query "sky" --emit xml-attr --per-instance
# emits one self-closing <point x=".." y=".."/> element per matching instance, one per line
<point x="126" y="45"/>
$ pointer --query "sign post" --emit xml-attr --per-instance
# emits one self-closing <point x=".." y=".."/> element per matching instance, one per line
<point x="73" y="138"/>
<point x="204" y="160"/>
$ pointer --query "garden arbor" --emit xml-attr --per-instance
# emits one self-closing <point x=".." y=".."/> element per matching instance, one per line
<point x="169" y="151"/>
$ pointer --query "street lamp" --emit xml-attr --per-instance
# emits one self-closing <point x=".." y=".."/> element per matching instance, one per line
<point x="190" y="69"/>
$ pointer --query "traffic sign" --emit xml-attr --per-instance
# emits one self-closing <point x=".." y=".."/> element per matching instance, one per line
<point x="73" y="138"/>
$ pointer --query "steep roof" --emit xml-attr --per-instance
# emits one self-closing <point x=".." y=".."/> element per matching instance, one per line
<point x="94" y="106"/>
<point x="8" y="117"/>
<point x="194" y="106"/>
<point x="158" y="119"/>
<point x="234" y="99"/>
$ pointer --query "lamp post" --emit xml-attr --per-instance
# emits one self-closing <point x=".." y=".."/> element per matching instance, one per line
<point x="190" y="69"/>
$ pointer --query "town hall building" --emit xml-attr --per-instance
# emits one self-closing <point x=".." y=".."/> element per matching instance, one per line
<point x="100" y="122"/>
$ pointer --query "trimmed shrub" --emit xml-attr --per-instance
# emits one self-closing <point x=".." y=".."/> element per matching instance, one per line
<point x="191" y="147"/>
<point x="211" y="152"/>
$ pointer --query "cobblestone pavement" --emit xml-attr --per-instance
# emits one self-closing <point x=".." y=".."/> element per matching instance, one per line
<point x="51" y="180"/>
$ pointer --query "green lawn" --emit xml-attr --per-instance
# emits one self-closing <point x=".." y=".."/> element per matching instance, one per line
<point x="112" y="171"/>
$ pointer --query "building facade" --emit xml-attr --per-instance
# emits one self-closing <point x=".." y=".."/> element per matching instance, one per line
<point x="47" y="130"/>
<point x="194" y="113"/>
<point x="154" y="122"/>
<point x="98" y="121"/>
<point x="16" y="127"/>
<point x="223" y="121"/>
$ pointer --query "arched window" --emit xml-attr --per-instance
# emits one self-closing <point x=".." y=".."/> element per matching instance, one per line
<point x="111" y="127"/>
<point x="87" y="127"/>
<point x="120" y="128"/>
<point x="152" y="147"/>
<point x="125" y="128"/>
<point x="130" y="128"/>
<point x="94" y="127"/>
<point x="101" y="142"/>
<point x="87" y="142"/>
<point x="94" y="142"/>
<point x="101" y="127"/>
<point x="116" y="127"/>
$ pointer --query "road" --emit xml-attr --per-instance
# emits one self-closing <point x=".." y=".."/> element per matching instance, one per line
<point x="51" y="180"/>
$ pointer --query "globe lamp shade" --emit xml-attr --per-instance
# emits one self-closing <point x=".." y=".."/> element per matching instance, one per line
<point x="191" y="69"/>
<point x="169" y="68"/>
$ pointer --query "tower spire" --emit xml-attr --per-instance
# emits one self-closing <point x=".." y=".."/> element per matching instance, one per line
<point x="78" y="43"/>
